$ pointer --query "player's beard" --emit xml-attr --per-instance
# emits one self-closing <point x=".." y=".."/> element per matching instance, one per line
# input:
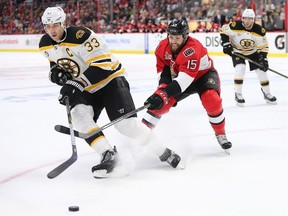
<point x="175" y="51"/>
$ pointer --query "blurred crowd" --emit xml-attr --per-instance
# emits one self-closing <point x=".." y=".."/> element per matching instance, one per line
<point x="122" y="16"/>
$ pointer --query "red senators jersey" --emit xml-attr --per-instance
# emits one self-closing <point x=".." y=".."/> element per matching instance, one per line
<point x="192" y="60"/>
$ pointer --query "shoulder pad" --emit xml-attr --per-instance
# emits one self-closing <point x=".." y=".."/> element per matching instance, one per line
<point x="233" y="24"/>
<point x="45" y="41"/>
<point x="77" y="35"/>
<point x="236" y="25"/>
<point x="258" y="29"/>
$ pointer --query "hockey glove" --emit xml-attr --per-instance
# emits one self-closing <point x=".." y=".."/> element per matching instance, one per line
<point x="58" y="75"/>
<point x="160" y="102"/>
<point x="157" y="100"/>
<point x="263" y="61"/>
<point x="72" y="89"/>
<point x="172" y="101"/>
<point x="162" y="86"/>
<point x="228" y="49"/>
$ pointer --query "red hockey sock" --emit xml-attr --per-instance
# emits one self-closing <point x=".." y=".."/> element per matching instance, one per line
<point x="212" y="102"/>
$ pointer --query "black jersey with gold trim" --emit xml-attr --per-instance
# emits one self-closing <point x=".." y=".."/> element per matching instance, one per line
<point x="245" y="41"/>
<point x="85" y="55"/>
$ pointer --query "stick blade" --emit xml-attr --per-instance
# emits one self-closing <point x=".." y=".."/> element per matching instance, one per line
<point x="62" y="167"/>
<point x="62" y="129"/>
<point x="66" y="130"/>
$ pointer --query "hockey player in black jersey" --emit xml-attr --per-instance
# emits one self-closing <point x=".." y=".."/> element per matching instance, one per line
<point x="248" y="39"/>
<point x="93" y="79"/>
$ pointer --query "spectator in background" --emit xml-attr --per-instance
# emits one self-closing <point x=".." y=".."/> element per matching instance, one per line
<point x="200" y="27"/>
<point x="219" y="18"/>
<point x="211" y="11"/>
<point x="270" y="7"/>
<point x="279" y="17"/>
<point x="253" y="5"/>
<point x="156" y="11"/>
<point x="215" y="27"/>
<point x="268" y="21"/>
<point x="178" y="14"/>
<point x="237" y="15"/>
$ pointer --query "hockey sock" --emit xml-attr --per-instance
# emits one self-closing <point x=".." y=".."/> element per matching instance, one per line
<point x="213" y="105"/>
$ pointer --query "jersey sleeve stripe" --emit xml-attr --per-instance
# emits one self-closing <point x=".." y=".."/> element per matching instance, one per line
<point x="104" y="82"/>
<point x="205" y="63"/>
<point x="99" y="57"/>
<point x="116" y="65"/>
<point x="68" y="44"/>
<point x="44" y="48"/>
<point x="103" y="65"/>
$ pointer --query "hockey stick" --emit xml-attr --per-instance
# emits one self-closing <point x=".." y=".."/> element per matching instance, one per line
<point x="66" y="130"/>
<point x="256" y="63"/>
<point x="62" y="167"/>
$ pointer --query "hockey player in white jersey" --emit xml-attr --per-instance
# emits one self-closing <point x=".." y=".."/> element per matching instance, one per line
<point x="93" y="79"/>
<point x="249" y="39"/>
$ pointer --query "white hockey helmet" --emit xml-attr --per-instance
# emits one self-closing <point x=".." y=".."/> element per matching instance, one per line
<point x="54" y="15"/>
<point x="248" y="13"/>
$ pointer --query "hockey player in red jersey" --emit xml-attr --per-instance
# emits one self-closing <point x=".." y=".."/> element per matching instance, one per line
<point x="184" y="68"/>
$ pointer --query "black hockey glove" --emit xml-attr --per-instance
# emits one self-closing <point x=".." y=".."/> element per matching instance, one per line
<point x="58" y="75"/>
<point x="263" y="61"/>
<point x="157" y="100"/>
<point x="228" y="49"/>
<point x="72" y="89"/>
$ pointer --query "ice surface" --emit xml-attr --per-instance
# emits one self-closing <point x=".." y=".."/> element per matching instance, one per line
<point x="252" y="181"/>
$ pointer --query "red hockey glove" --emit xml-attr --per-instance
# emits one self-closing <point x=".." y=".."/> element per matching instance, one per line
<point x="157" y="100"/>
<point x="162" y="86"/>
<point x="165" y="109"/>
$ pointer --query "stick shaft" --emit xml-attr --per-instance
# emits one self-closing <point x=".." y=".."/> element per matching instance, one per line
<point x="256" y="63"/>
<point x="62" y="167"/>
<point x="118" y="120"/>
<point x="66" y="130"/>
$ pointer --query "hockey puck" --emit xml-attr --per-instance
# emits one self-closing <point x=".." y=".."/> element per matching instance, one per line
<point x="73" y="208"/>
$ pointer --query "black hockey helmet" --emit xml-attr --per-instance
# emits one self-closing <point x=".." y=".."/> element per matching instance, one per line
<point x="178" y="27"/>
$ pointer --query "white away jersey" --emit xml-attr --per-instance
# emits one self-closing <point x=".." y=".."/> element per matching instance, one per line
<point x="244" y="41"/>
<point x="85" y="55"/>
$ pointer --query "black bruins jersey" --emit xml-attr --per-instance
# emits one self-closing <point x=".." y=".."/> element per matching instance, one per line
<point x="245" y="41"/>
<point x="85" y="55"/>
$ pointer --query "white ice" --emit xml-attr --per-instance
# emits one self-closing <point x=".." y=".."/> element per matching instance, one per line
<point x="252" y="181"/>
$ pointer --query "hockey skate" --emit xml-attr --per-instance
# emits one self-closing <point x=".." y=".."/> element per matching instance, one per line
<point x="108" y="163"/>
<point x="224" y="143"/>
<point x="270" y="99"/>
<point x="172" y="158"/>
<point x="239" y="99"/>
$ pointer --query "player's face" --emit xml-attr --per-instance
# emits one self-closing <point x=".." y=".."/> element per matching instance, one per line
<point x="54" y="30"/>
<point x="175" y="42"/>
<point x="248" y="22"/>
